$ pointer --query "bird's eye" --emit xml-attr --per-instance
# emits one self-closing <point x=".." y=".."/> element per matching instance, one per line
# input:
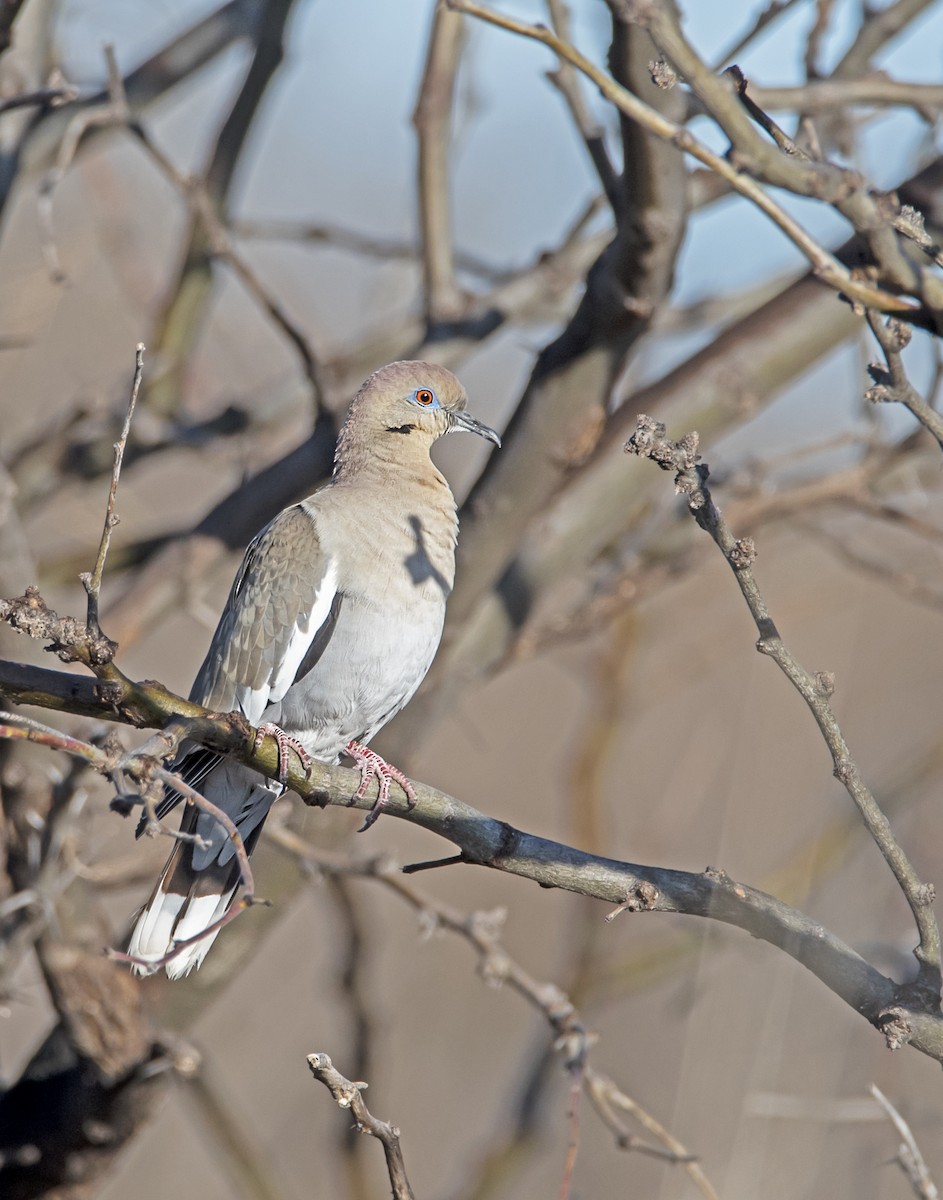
<point x="424" y="397"/>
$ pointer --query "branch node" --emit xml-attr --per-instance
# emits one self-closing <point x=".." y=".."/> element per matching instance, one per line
<point x="743" y="554"/>
<point x="896" y="1026"/>
<point x="663" y="74"/>
<point x="641" y="899"/>
<point x="844" y="770"/>
<point x="825" y="683"/>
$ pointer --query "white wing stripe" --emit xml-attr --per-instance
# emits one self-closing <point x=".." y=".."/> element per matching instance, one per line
<point x="254" y="701"/>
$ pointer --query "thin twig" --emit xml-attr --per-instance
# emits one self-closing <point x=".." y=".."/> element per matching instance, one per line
<point x="691" y="475"/>
<point x="779" y="136"/>
<point x="564" y="78"/>
<point x="879" y="27"/>
<point x="823" y="96"/>
<point x="577" y="1072"/>
<point x="145" y="770"/>
<point x="815" y="36"/>
<point x="113" y="112"/>
<point x="352" y="971"/>
<point x="904" y="583"/>
<point x="92" y="581"/>
<point x="350" y="1095"/>
<point x="912" y="225"/>
<point x="892" y="385"/>
<point x="53" y="97"/>
<point x="352" y="240"/>
<point x="909" y="1158"/>
<point x="608" y="1098"/>
<point x="826" y="266"/>
<point x="195" y="192"/>
<point x="482" y="930"/>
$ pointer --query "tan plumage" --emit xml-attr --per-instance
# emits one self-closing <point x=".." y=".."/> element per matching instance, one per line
<point x="331" y="624"/>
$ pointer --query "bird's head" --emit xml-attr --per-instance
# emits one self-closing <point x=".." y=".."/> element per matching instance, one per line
<point x="406" y="405"/>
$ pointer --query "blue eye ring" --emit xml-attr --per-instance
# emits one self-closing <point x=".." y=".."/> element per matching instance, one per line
<point x="425" y="397"/>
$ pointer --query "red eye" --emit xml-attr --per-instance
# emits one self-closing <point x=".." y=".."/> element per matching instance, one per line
<point x="424" y="396"/>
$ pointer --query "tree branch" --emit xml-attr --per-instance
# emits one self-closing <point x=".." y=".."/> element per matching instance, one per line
<point x="92" y="581"/>
<point x="482" y="931"/>
<point x="350" y="1095"/>
<point x="432" y="120"/>
<point x="904" y="1013"/>
<point x="891" y="383"/>
<point x="803" y="177"/>
<point x="691" y="475"/>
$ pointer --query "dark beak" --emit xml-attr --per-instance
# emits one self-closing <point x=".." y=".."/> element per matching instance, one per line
<point x="464" y="420"/>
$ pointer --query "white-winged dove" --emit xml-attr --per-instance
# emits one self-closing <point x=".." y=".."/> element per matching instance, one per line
<point x="332" y="622"/>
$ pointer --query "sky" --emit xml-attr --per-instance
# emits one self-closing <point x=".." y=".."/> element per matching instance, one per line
<point x="334" y="140"/>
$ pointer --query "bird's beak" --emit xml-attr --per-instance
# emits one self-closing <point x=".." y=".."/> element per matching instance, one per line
<point x="464" y="420"/>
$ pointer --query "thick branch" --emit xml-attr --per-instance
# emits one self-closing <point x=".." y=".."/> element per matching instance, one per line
<point x="433" y="122"/>
<point x="563" y="409"/>
<point x="902" y="1013"/>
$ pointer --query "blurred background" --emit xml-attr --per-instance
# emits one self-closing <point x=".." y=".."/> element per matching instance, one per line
<point x="254" y="201"/>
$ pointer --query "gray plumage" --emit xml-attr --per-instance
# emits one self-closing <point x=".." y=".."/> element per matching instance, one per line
<point x="332" y="622"/>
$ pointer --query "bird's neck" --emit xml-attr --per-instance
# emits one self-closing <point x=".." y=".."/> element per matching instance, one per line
<point x="392" y="456"/>
<point x="413" y="489"/>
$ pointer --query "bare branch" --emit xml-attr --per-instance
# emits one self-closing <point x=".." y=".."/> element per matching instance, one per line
<point x="564" y="406"/>
<point x="826" y="266"/>
<point x="57" y="96"/>
<point x="846" y="191"/>
<point x="826" y="95"/>
<point x="220" y="245"/>
<point x="179" y="325"/>
<point x="815" y="37"/>
<point x="909" y="1158"/>
<point x="106" y="115"/>
<point x="905" y="1014"/>
<point x="892" y="385"/>
<point x="564" y="78"/>
<point x="92" y="581"/>
<point x="691" y="475"/>
<point x="496" y="965"/>
<point x="432" y="119"/>
<point x="880" y="26"/>
<point x="367" y="245"/>
<point x="350" y="1095"/>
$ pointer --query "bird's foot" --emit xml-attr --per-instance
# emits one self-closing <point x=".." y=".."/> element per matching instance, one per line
<point x="373" y="766"/>
<point x="285" y="743"/>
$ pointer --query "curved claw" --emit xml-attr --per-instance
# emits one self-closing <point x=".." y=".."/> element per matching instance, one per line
<point x="285" y="743"/>
<point x="374" y="766"/>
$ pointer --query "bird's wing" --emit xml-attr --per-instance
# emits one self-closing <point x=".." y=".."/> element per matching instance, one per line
<point x="277" y="623"/>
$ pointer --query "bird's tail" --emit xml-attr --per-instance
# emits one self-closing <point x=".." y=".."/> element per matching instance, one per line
<point x="195" y="890"/>
<point x="183" y="904"/>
